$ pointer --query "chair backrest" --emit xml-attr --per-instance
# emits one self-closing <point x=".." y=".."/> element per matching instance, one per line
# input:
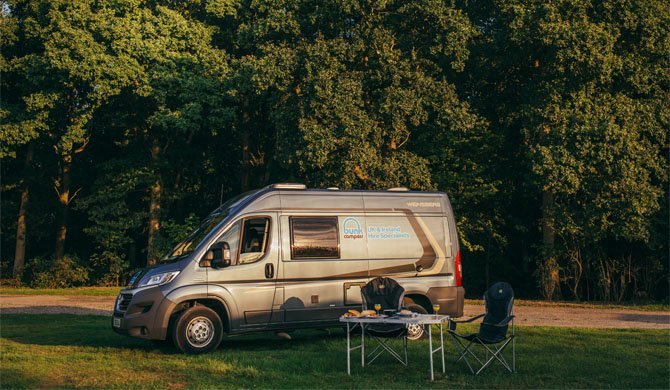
<point x="499" y="301"/>
<point x="384" y="291"/>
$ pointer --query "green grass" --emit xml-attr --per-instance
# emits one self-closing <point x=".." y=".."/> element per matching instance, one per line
<point x="93" y="291"/>
<point x="82" y="351"/>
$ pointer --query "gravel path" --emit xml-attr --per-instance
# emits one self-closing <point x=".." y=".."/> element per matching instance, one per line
<point x="526" y="315"/>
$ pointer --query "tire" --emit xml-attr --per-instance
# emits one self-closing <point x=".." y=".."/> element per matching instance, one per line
<point x="416" y="332"/>
<point x="197" y="330"/>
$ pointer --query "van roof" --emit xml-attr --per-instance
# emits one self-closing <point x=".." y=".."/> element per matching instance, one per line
<point x="393" y="199"/>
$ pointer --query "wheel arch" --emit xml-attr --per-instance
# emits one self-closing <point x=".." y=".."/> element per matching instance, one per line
<point x="418" y="298"/>
<point x="183" y="298"/>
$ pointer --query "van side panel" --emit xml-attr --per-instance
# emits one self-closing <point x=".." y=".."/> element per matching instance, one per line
<point x="320" y="290"/>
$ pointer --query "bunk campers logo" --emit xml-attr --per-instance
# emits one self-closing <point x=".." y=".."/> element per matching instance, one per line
<point x="352" y="229"/>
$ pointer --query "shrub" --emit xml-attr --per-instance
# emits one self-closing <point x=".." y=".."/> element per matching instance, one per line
<point x="63" y="273"/>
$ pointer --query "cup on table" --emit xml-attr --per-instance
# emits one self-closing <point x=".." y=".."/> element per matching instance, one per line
<point x="378" y="307"/>
<point x="436" y="308"/>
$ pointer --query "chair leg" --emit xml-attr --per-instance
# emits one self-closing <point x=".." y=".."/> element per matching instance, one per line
<point x="497" y="354"/>
<point x="404" y="340"/>
<point x="464" y="350"/>
<point x="384" y="346"/>
<point x="491" y="354"/>
<point x="513" y="352"/>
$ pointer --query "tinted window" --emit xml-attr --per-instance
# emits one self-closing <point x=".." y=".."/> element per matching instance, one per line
<point x="314" y="238"/>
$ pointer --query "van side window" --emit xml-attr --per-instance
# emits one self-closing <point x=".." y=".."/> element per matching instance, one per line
<point x="314" y="238"/>
<point x="255" y="237"/>
<point x="232" y="237"/>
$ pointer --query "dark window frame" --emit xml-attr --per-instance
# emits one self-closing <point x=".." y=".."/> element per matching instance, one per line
<point x="292" y="236"/>
<point x="240" y="235"/>
<point x="267" y="244"/>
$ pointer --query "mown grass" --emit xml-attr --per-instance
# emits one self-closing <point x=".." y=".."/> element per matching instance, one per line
<point x="82" y="351"/>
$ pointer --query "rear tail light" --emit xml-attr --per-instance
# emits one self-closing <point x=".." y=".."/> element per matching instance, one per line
<point x="458" y="272"/>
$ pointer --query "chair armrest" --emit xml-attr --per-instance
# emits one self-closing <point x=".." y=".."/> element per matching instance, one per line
<point x="468" y="320"/>
<point x="504" y="322"/>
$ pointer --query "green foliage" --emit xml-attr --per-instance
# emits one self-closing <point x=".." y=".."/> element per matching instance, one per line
<point x="144" y="115"/>
<point x="57" y="273"/>
<point x="173" y="232"/>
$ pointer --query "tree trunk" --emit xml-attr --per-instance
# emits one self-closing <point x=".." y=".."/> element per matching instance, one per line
<point x="63" y="189"/>
<point x="20" y="252"/>
<point x="155" y="192"/>
<point x="246" y="153"/>
<point x="549" y="269"/>
<point x="268" y="168"/>
<point x="246" y="157"/>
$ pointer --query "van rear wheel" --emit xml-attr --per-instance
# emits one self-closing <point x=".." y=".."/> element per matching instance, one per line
<point x="414" y="331"/>
<point x="197" y="330"/>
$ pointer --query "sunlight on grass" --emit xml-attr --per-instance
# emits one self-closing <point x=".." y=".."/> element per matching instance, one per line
<point x="82" y="351"/>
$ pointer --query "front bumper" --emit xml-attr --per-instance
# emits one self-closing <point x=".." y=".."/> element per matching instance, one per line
<point x="139" y="316"/>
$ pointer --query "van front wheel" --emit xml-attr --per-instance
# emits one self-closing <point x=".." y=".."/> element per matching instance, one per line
<point x="414" y="331"/>
<point x="197" y="330"/>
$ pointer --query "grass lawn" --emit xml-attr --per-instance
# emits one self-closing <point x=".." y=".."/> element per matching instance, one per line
<point x="82" y="351"/>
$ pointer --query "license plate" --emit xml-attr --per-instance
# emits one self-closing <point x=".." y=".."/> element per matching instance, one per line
<point x="116" y="322"/>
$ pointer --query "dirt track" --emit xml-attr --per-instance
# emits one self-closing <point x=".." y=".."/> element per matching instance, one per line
<point x="526" y="315"/>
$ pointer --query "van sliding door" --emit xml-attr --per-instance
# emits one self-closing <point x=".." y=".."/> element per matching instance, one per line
<point x="322" y="270"/>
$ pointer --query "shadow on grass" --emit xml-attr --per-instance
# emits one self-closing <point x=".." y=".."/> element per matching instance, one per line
<point x="48" y="310"/>
<point x="646" y="318"/>
<point x="62" y="351"/>
<point x="20" y="378"/>
<point x="96" y="331"/>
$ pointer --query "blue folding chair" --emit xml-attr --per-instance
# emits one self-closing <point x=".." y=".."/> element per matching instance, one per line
<point x="492" y="335"/>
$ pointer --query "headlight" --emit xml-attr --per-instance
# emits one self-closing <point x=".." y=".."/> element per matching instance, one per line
<point x="158" y="279"/>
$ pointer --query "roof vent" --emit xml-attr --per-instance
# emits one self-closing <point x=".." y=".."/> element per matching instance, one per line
<point x="288" y="186"/>
<point x="332" y="188"/>
<point x="399" y="189"/>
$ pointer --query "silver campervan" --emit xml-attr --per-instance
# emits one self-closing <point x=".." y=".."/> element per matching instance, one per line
<point x="286" y="257"/>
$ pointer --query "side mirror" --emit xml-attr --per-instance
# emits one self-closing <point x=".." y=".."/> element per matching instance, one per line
<point x="218" y="255"/>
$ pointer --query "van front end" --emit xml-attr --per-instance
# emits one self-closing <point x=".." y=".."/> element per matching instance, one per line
<point x="139" y="313"/>
<point x="140" y="309"/>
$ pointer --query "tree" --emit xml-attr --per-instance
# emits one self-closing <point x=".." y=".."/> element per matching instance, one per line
<point x="586" y="102"/>
<point x="67" y="68"/>
<point x="177" y="95"/>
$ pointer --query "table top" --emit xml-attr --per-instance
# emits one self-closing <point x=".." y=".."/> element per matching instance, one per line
<point x="418" y="319"/>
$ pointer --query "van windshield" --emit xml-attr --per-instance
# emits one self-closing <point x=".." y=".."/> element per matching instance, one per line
<point x="189" y="244"/>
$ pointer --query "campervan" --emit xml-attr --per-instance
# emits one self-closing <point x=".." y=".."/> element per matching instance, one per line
<point x="286" y="257"/>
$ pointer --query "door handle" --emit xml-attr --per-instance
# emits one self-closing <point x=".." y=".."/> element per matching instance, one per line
<point x="269" y="270"/>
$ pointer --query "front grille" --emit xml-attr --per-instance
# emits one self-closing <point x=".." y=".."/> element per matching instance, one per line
<point x="123" y="301"/>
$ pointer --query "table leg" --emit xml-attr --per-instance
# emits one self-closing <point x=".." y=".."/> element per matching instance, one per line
<point x="362" y="344"/>
<point x="442" y="347"/>
<point x="348" y="350"/>
<point x="430" y="346"/>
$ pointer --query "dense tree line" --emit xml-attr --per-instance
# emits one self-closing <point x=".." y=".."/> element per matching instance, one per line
<point x="124" y="122"/>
